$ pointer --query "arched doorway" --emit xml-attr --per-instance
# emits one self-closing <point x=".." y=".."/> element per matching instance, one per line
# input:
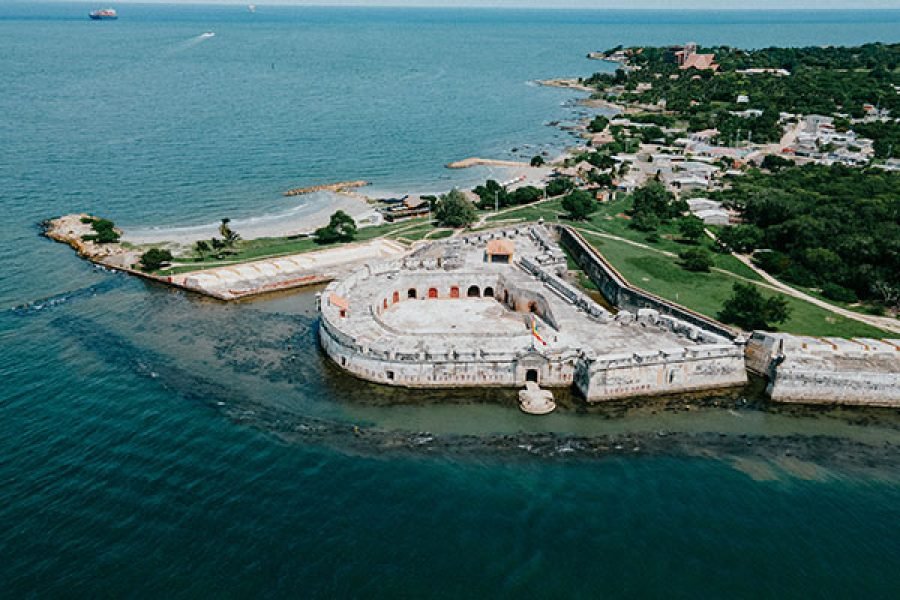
<point x="432" y="293"/>
<point x="473" y="292"/>
<point x="396" y="297"/>
<point x="488" y="292"/>
<point x="454" y="292"/>
<point x="384" y="305"/>
<point x="531" y="375"/>
<point x="532" y="307"/>
<point x="411" y="293"/>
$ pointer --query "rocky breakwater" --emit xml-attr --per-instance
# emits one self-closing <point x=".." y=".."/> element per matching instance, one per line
<point x="78" y="231"/>
<point x="339" y="187"/>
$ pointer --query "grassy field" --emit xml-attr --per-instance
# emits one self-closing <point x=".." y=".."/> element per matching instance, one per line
<point x="652" y="266"/>
<point x="260" y="248"/>
<point x="706" y="292"/>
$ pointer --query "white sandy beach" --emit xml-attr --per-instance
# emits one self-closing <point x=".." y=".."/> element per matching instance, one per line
<point x="309" y="213"/>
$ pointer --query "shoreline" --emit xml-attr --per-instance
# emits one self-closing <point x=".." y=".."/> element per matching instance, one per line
<point x="228" y="281"/>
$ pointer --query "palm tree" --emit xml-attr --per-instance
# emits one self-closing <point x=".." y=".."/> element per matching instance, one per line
<point x="229" y="236"/>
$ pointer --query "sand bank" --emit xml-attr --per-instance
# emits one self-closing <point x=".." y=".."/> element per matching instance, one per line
<point x="312" y="212"/>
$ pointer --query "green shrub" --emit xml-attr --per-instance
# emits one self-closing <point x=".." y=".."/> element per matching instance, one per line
<point x="154" y="258"/>
<point x="833" y="291"/>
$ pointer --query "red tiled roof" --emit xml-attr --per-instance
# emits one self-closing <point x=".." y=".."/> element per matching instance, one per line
<point x="700" y="61"/>
<point x="501" y="247"/>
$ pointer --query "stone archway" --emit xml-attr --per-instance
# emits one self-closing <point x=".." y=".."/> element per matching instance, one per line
<point x="473" y="292"/>
<point x="432" y="293"/>
<point x="412" y="294"/>
<point x="454" y="292"/>
<point x="396" y="297"/>
<point x="532" y="375"/>
<point x="488" y="292"/>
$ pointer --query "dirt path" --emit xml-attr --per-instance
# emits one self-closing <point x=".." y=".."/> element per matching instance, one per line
<point x="886" y="323"/>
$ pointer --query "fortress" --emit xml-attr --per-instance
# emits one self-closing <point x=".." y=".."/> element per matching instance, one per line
<point x="492" y="309"/>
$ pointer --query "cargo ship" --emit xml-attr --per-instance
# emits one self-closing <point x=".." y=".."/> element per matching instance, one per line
<point x="104" y="14"/>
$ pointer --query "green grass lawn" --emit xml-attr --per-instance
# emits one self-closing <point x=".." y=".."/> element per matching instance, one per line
<point x="260" y="248"/>
<point x="707" y="292"/>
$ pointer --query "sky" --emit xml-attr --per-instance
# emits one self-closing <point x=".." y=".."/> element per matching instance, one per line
<point x="599" y="4"/>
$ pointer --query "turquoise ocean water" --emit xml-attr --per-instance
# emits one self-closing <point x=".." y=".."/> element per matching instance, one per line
<point x="159" y="444"/>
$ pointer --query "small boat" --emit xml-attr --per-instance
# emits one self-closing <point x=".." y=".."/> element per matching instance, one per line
<point x="208" y="34"/>
<point x="251" y="7"/>
<point x="104" y="14"/>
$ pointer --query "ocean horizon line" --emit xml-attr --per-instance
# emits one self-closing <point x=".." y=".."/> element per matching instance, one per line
<point x="473" y="7"/>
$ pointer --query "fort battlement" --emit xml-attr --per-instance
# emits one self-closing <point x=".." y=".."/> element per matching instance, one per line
<point x="492" y="309"/>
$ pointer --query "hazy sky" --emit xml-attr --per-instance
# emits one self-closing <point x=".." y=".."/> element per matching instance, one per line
<point x="656" y="4"/>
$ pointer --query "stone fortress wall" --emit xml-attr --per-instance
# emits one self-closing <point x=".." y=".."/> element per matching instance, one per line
<point x="622" y="294"/>
<point x="813" y="370"/>
<point x="604" y="356"/>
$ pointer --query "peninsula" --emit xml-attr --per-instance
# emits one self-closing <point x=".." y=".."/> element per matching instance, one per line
<point x="734" y="209"/>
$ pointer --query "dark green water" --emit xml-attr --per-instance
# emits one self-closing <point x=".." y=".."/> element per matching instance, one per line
<point x="158" y="444"/>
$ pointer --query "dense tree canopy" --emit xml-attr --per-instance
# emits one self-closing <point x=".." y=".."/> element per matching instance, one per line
<point x="822" y="80"/>
<point x="823" y="225"/>
<point x="653" y="204"/>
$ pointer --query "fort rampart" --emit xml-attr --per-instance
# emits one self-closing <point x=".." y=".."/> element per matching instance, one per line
<point x="580" y="343"/>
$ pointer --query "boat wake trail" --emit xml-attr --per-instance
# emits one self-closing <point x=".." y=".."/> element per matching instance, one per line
<point x="190" y="43"/>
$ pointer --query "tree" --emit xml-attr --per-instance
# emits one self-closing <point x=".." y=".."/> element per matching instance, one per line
<point x="696" y="259"/>
<point x="154" y="258"/>
<point x="491" y="195"/>
<point x="741" y="238"/>
<point x="579" y="204"/>
<point x="559" y="186"/>
<point x="653" y="197"/>
<point x="645" y="221"/>
<point x="749" y="310"/>
<point x="455" y="210"/>
<point x="537" y="161"/>
<point x="776" y="163"/>
<point x="201" y="247"/>
<point x="104" y="232"/>
<point x="229" y="237"/>
<point x="598" y="124"/>
<point x="341" y="228"/>
<point x="691" y="228"/>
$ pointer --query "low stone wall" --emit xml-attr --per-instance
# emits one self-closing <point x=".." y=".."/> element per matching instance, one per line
<point x="813" y="370"/>
<point x="622" y="294"/>
<point x="813" y="386"/>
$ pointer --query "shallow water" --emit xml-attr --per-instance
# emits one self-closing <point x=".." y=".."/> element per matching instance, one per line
<point x="157" y="443"/>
